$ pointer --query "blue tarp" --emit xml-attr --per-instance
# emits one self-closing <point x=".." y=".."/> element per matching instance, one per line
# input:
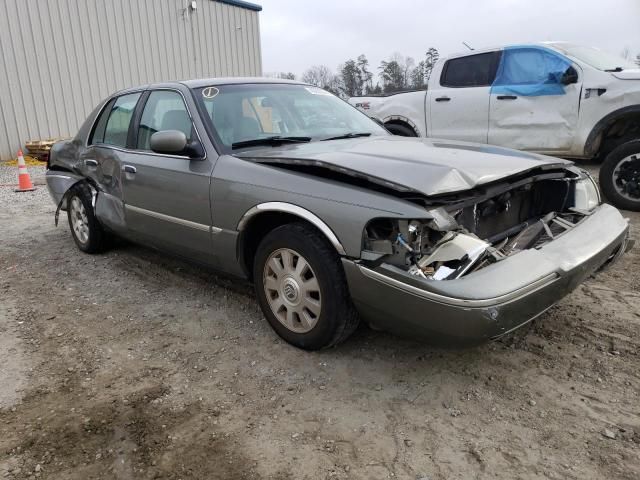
<point x="530" y="71"/>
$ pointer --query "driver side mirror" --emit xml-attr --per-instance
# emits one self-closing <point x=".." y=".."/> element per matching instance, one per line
<point x="569" y="76"/>
<point x="174" y="142"/>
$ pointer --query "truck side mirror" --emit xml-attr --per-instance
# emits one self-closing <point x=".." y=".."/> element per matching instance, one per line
<point x="569" y="76"/>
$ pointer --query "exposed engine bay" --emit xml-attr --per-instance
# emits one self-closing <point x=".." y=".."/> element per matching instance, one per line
<point x="467" y="235"/>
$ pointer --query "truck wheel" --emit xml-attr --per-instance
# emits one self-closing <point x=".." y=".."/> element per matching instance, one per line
<point x="302" y="289"/>
<point x="85" y="228"/>
<point x="400" y="130"/>
<point x="620" y="176"/>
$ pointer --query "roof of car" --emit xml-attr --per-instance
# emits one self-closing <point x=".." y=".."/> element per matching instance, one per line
<point x="207" y="82"/>
<point x="501" y="47"/>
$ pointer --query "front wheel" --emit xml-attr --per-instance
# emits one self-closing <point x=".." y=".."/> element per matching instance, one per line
<point x="302" y="289"/>
<point x="620" y="176"/>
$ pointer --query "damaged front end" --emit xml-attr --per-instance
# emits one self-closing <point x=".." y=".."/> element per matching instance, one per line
<point x="463" y="235"/>
<point x="481" y="265"/>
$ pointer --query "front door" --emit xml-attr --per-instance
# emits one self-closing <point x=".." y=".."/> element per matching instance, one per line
<point x="167" y="196"/>
<point x="459" y="101"/>
<point x="530" y="107"/>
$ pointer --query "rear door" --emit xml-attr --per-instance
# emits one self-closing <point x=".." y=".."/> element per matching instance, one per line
<point x="102" y="159"/>
<point x="530" y="108"/>
<point x="459" y="100"/>
<point x="167" y="196"/>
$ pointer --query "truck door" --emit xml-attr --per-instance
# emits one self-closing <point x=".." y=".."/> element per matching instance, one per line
<point x="534" y="101"/>
<point x="458" y="98"/>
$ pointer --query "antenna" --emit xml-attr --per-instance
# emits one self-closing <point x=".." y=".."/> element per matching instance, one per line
<point x="467" y="45"/>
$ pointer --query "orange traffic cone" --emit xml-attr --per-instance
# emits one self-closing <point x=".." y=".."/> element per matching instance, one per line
<point x="24" y="179"/>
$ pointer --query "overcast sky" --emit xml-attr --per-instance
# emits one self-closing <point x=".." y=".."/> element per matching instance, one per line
<point x="299" y="33"/>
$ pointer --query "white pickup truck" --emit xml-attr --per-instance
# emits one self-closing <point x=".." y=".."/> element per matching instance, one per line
<point x="552" y="98"/>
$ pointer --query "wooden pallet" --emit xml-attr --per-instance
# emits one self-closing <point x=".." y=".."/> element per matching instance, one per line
<point x="40" y="148"/>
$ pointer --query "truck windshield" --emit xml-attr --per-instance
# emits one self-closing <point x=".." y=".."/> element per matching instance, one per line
<point x="279" y="113"/>
<point x="596" y="58"/>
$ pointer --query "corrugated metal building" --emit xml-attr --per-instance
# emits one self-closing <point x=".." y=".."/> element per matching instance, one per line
<point x="59" y="58"/>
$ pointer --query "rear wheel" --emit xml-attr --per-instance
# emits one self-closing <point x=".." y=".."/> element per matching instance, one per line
<point x="85" y="228"/>
<point x="620" y="176"/>
<point x="400" y="130"/>
<point x="301" y="288"/>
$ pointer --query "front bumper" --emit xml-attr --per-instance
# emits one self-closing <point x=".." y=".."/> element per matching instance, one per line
<point x="495" y="300"/>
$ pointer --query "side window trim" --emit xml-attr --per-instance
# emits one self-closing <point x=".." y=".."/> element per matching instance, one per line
<point x="497" y="58"/>
<point x="132" y="136"/>
<point x="144" y="94"/>
<point x="134" y="133"/>
<point x="138" y="116"/>
<point x="495" y="62"/>
<point x="108" y="104"/>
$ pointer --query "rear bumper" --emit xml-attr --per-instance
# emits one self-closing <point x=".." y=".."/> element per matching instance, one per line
<point x="495" y="300"/>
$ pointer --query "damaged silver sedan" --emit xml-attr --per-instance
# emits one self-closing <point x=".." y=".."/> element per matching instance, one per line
<point x="333" y="219"/>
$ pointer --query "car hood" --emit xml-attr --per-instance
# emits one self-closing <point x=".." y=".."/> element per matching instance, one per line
<point x="427" y="166"/>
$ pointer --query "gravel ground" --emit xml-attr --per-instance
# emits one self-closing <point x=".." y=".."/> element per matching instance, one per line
<point x="28" y="200"/>
<point x="130" y="364"/>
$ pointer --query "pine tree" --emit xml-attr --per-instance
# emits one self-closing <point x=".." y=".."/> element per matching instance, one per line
<point x="432" y="57"/>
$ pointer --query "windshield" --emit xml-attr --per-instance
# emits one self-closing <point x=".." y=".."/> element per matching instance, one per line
<point x="239" y="113"/>
<point x="596" y="58"/>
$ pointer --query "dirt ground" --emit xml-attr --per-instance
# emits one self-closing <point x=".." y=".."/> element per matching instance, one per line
<point x="132" y="365"/>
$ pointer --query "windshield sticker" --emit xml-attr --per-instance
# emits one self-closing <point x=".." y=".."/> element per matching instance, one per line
<point x="317" y="91"/>
<point x="210" y="92"/>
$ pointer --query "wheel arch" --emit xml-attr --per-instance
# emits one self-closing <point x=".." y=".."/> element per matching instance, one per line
<point x="60" y="181"/>
<point x="403" y="121"/>
<point x="619" y="122"/>
<point x="264" y="217"/>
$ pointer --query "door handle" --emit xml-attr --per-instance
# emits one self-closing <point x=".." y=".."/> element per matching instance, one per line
<point x="442" y="99"/>
<point x="129" y="169"/>
<point x="91" y="163"/>
<point x="507" y="97"/>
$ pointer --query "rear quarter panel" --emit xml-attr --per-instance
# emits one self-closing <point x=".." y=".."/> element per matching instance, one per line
<point x="408" y="107"/>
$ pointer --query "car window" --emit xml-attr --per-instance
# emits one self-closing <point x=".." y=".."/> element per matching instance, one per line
<point x="112" y="128"/>
<point x="253" y="111"/>
<point x="528" y="66"/>
<point x="164" y="110"/>
<point x="261" y="111"/>
<point x="470" y="71"/>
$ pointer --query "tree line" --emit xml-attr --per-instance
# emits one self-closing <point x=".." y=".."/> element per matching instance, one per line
<point x="355" y="77"/>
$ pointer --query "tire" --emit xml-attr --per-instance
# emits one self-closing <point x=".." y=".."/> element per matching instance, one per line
<point x="400" y="130"/>
<point x="620" y="176"/>
<point x="308" y="306"/>
<point x="85" y="228"/>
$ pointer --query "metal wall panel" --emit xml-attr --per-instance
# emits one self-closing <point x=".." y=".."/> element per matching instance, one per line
<point x="60" y="58"/>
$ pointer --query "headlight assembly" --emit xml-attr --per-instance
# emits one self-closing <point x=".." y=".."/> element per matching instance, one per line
<point x="587" y="195"/>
